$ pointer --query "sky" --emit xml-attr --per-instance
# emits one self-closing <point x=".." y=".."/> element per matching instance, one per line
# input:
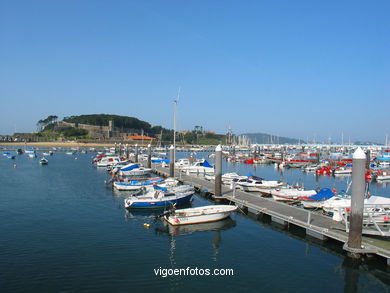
<point x="303" y="69"/>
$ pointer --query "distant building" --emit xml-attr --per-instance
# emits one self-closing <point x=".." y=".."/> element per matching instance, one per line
<point x="140" y="138"/>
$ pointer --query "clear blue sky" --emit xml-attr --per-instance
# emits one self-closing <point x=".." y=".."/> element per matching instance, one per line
<point x="294" y="68"/>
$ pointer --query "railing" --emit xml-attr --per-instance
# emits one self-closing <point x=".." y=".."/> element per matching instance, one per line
<point x="376" y="219"/>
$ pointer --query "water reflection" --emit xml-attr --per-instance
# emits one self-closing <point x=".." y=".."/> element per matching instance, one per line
<point x="189" y="229"/>
<point x="354" y="273"/>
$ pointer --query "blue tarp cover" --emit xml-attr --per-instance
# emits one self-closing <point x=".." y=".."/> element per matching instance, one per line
<point x="206" y="164"/>
<point x="323" y="194"/>
<point x="129" y="167"/>
<point x="160" y="188"/>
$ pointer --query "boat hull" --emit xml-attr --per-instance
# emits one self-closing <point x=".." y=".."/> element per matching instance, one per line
<point x="158" y="204"/>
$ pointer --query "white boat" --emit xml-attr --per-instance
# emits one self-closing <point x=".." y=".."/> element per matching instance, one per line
<point x="182" y="163"/>
<point x="137" y="184"/>
<point x="227" y="178"/>
<point x="289" y="194"/>
<point x="32" y="155"/>
<point x="383" y="176"/>
<point x="198" y="215"/>
<point x="132" y="170"/>
<point x="108" y="161"/>
<point x="334" y="204"/>
<point x="43" y="161"/>
<point x="200" y="167"/>
<point x="253" y="185"/>
<point x="342" y="171"/>
<point x="310" y="168"/>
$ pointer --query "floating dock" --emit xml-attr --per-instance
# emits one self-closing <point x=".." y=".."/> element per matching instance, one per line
<point x="316" y="225"/>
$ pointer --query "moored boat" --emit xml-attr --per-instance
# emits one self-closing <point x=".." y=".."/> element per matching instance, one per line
<point x="161" y="197"/>
<point x="198" y="215"/>
<point x="43" y="161"/>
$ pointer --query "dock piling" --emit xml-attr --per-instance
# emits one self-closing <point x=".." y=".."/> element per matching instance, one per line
<point x="218" y="170"/>
<point x="171" y="161"/>
<point x="357" y="201"/>
<point x="149" y="156"/>
<point x="136" y="154"/>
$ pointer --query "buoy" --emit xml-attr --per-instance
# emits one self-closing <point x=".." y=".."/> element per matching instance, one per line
<point x="14" y="165"/>
<point x="146" y="225"/>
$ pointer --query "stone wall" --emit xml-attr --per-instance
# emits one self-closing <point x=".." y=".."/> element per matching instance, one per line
<point x="100" y="132"/>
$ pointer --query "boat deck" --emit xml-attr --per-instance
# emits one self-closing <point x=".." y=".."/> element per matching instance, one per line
<point x="316" y="225"/>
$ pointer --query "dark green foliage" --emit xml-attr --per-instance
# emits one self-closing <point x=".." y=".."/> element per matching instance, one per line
<point x="103" y="119"/>
<point x="73" y="132"/>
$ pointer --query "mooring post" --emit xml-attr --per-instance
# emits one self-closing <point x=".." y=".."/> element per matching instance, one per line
<point x="149" y="156"/>
<point x="218" y="170"/>
<point x="127" y="151"/>
<point x="368" y="155"/>
<point x="357" y="200"/>
<point x="255" y="152"/>
<point x="171" y="161"/>
<point x="136" y="154"/>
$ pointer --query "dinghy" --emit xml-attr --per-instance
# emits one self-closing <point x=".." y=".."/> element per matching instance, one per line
<point x="198" y="215"/>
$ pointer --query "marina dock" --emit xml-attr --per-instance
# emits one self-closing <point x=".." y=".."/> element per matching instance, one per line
<point x="315" y="224"/>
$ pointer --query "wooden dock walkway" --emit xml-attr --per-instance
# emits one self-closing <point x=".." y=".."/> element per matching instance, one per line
<point x="315" y="224"/>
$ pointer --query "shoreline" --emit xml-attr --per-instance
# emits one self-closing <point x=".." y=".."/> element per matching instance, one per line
<point x="57" y="144"/>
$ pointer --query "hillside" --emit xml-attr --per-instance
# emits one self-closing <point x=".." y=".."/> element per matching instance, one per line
<point x="268" y="138"/>
<point x="123" y="122"/>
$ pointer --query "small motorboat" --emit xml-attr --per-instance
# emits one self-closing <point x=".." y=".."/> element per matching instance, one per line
<point x="198" y="215"/>
<point x="160" y="197"/>
<point x="138" y="184"/>
<point x="43" y="161"/>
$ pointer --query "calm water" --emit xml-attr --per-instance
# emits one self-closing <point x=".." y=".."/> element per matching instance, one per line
<point x="63" y="230"/>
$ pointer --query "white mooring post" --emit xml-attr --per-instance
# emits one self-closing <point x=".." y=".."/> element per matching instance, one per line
<point x="357" y="201"/>
<point x="149" y="156"/>
<point x="136" y="154"/>
<point x="171" y="161"/>
<point x="218" y="170"/>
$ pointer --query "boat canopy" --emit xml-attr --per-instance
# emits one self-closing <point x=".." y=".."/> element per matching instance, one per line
<point x="323" y="194"/>
<point x="206" y="164"/>
<point x="156" y="187"/>
<point x="129" y="167"/>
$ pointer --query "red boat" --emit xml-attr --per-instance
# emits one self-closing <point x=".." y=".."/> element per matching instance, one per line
<point x="324" y="171"/>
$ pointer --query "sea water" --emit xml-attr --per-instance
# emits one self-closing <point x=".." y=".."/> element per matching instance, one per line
<point x="63" y="230"/>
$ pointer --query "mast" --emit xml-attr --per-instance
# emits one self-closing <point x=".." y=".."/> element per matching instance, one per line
<point x="174" y="117"/>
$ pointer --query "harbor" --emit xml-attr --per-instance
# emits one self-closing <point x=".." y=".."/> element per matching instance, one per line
<point x="260" y="225"/>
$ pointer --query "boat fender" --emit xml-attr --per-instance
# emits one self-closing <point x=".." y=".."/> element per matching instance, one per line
<point x="177" y="221"/>
<point x="334" y="190"/>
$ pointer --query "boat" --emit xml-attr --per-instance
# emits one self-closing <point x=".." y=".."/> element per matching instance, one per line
<point x="131" y="170"/>
<point x="310" y="168"/>
<point x="335" y="203"/>
<point x="138" y="184"/>
<point x="291" y="193"/>
<point x="30" y="151"/>
<point x="345" y="170"/>
<point x="227" y="178"/>
<point x="255" y="183"/>
<point x="317" y="200"/>
<point x="160" y="197"/>
<point x="200" y="167"/>
<point x="205" y="214"/>
<point x="382" y="176"/>
<point x="108" y="161"/>
<point x="32" y="155"/>
<point x="43" y="161"/>
<point x="324" y="170"/>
